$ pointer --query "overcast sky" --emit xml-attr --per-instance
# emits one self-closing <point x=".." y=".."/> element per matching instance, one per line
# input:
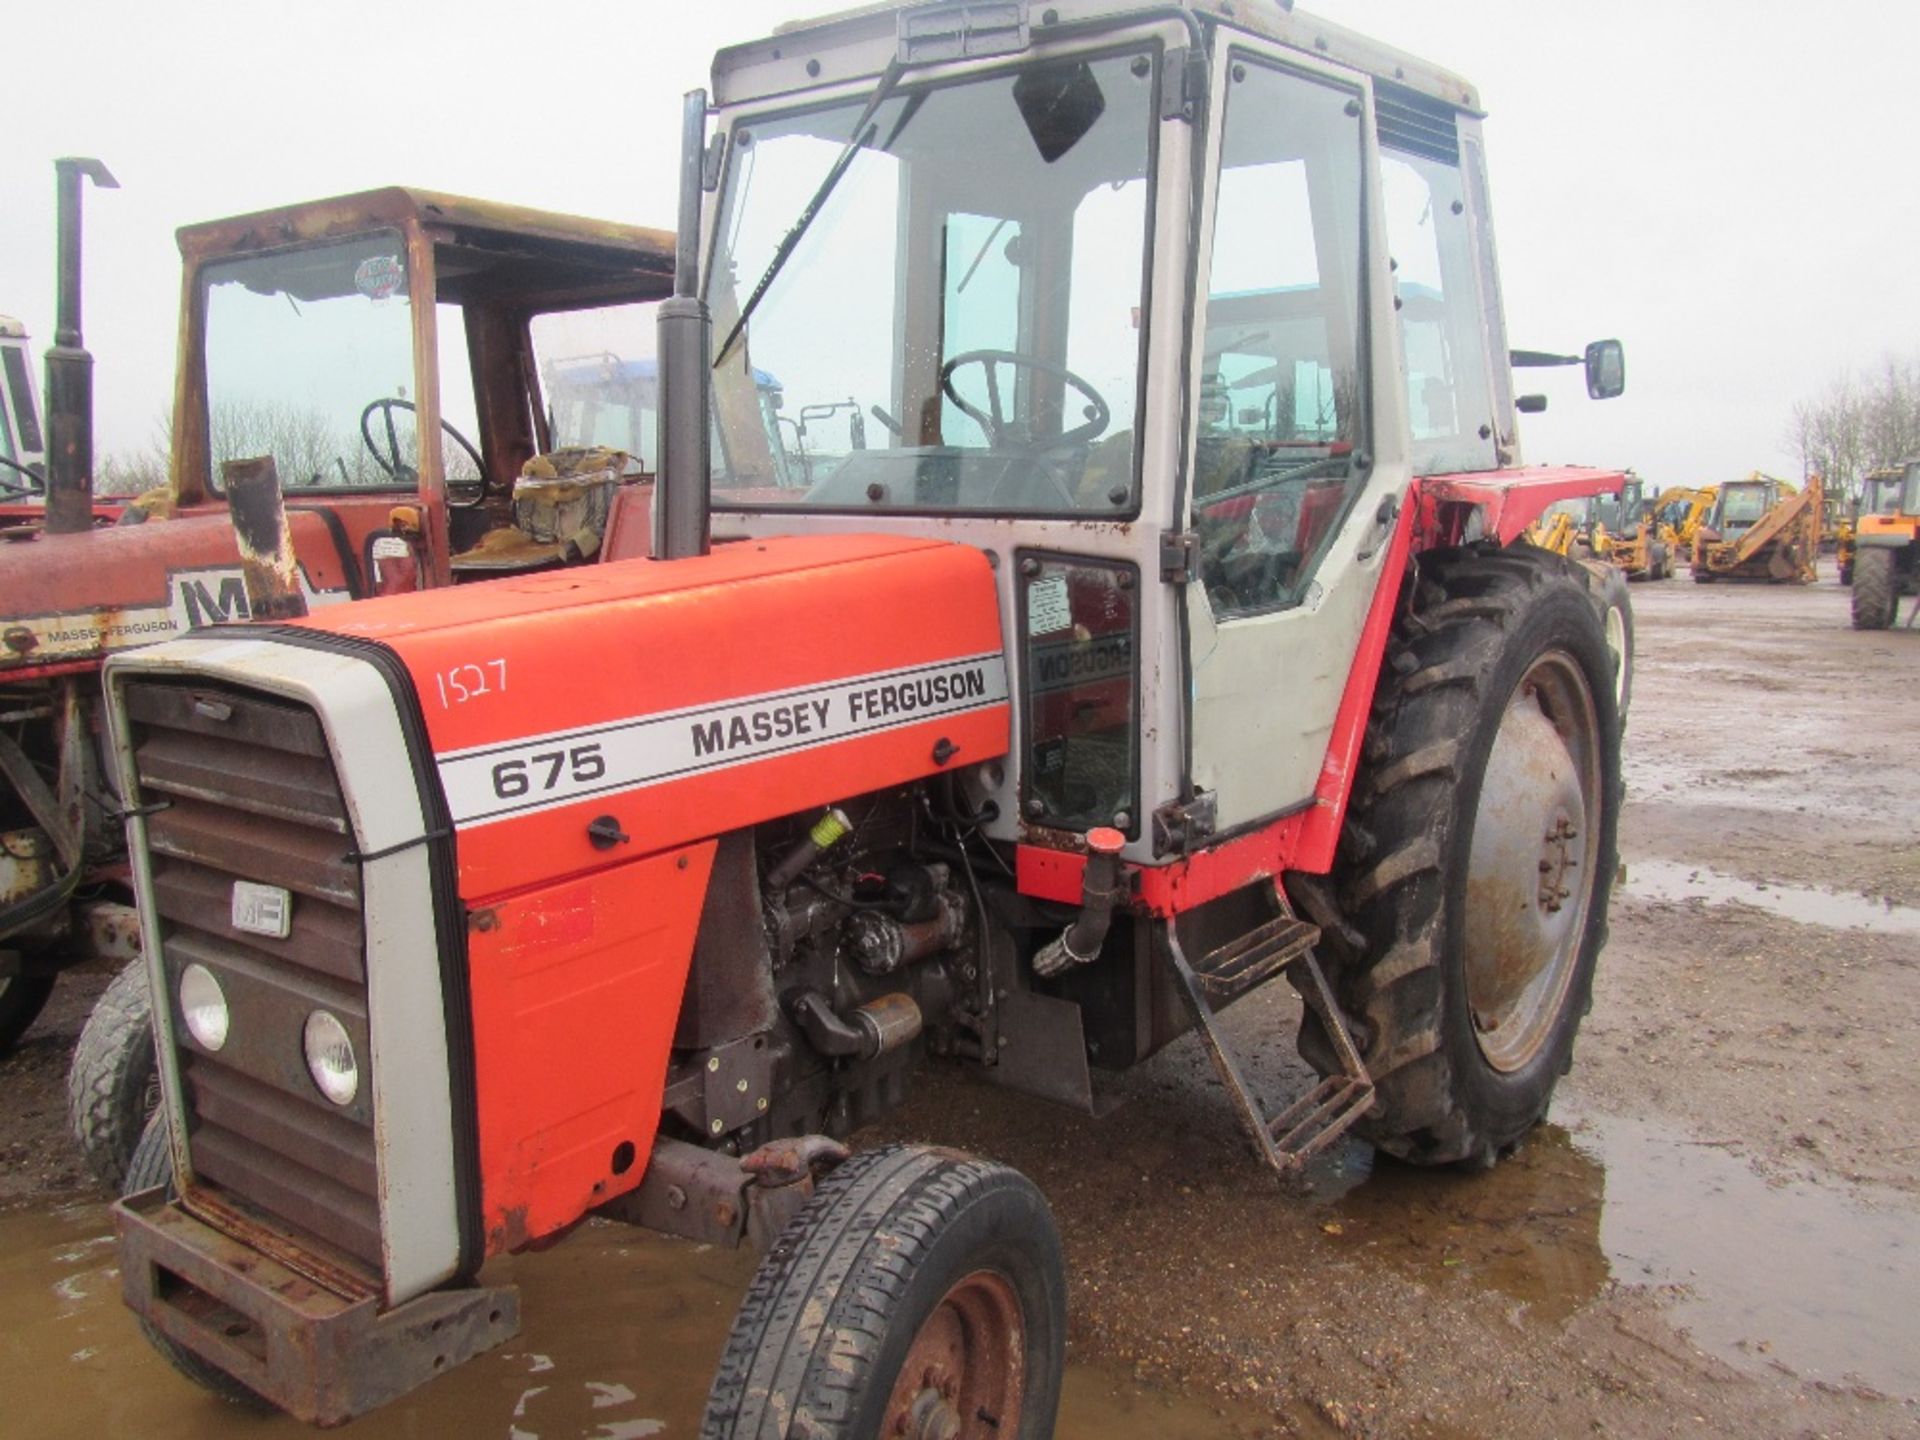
<point x="1727" y="185"/>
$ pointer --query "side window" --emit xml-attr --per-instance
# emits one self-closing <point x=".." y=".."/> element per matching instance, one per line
<point x="1282" y="413"/>
<point x="598" y="378"/>
<point x="1448" y="399"/>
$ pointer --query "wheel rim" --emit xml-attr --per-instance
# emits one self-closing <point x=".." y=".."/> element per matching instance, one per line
<point x="1530" y="871"/>
<point x="965" y="1373"/>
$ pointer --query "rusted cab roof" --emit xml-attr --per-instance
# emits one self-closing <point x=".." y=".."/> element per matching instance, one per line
<point x="455" y="219"/>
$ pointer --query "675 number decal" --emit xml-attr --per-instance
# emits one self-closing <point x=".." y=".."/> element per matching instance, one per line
<point x="578" y="765"/>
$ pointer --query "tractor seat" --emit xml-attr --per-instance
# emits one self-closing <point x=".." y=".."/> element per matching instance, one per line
<point x="560" y="506"/>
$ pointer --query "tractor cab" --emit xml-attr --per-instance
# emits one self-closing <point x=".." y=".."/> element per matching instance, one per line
<point x="390" y="351"/>
<point x="22" y="445"/>
<point x="1741" y="504"/>
<point x="1069" y="293"/>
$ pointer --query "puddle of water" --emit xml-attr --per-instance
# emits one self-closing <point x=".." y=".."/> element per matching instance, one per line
<point x="1530" y="1229"/>
<point x="1806" y="904"/>
<point x="1808" y="1277"/>
<point x="621" y="1334"/>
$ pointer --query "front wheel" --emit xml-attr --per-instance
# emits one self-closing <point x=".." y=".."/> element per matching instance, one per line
<point x="1613" y="602"/>
<point x="22" y="998"/>
<point x="920" y="1293"/>
<point x="1477" y="860"/>
<point x="113" y="1084"/>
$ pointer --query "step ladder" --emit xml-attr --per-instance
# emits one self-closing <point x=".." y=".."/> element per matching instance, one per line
<point x="1236" y="969"/>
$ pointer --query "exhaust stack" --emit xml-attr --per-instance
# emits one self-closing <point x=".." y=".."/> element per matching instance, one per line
<point x="681" y="507"/>
<point x="70" y="367"/>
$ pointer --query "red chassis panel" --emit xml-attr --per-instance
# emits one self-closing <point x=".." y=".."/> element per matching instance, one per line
<point x="1438" y="512"/>
<point x="698" y="697"/>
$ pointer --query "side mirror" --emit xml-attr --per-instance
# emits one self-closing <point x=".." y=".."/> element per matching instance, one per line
<point x="1606" y="370"/>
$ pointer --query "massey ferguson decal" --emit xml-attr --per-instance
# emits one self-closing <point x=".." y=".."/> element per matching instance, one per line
<point x="195" y="598"/>
<point x="491" y="782"/>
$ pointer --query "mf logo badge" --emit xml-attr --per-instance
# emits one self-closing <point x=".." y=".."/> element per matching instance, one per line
<point x="209" y="597"/>
<point x="262" y="909"/>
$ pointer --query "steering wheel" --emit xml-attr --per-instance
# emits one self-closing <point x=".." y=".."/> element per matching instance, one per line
<point x="35" y="482"/>
<point x="1002" y="432"/>
<point x="400" y="470"/>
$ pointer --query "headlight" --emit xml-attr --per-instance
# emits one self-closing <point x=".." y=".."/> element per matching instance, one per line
<point x="204" y="1006"/>
<point x="330" y="1058"/>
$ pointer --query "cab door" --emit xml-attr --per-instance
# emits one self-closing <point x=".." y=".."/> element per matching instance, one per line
<point x="1299" y="455"/>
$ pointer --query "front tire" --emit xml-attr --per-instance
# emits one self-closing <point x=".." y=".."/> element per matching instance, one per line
<point x="151" y="1168"/>
<point x="22" y="998"/>
<point x="1876" y="589"/>
<point x="1477" y="860"/>
<point x="920" y="1292"/>
<point x="113" y="1084"/>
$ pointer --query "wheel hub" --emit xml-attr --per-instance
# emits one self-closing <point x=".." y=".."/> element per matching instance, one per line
<point x="1529" y="869"/>
<point x="964" y="1377"/>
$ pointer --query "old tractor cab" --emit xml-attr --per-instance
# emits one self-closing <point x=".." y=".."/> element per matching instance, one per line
<point x="1118" y="611"/>
<point x="385" y="350"/>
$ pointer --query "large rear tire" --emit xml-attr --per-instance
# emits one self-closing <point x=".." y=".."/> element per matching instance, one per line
<point x="920" y="1292"/>
<point x="1876" y="588"/>
<point x="113" y="1085"/>
<point x="150" y="1168"/>
<point x="1477" y="861"/>
<point x="22" y="998"/>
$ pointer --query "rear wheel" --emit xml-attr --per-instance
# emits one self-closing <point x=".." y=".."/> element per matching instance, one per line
<point x="22" y="998"/>
<point x="920" y="1293"/>
<point x="113" y="1085"/>
<point x="150" y="1168"/>
<point x="1477" y="860"/>
<point x="1876" y="589"/>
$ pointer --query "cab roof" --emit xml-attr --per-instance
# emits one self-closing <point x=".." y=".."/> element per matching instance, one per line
<point x="778" y="65"/>
<point x="451" y="219"/>
<point x="11" y="329"/>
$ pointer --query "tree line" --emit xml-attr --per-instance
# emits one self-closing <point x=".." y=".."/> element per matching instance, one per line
<point x="1859" y="424"/>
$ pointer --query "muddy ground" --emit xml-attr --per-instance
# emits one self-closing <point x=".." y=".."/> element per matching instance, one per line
<point x="1718" y="1233"/>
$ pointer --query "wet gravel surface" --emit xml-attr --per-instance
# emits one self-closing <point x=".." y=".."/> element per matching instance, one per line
<point x="1715" y="1234"/>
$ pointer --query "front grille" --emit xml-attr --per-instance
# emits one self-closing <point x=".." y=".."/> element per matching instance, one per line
<point x="240" y="786"/>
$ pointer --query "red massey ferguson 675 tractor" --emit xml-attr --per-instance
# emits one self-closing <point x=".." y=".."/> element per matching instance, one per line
<point x="316" y="334"/>
<point x="1157" y="631"/>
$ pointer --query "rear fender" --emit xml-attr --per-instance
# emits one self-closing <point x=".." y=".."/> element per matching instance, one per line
<point x="1501" y="504"/>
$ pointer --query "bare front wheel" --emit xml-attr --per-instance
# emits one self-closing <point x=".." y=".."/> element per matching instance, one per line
<point x="920" y="1294"/>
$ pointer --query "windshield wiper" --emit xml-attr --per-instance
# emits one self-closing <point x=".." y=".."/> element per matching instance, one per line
<point x="863" y="133"/>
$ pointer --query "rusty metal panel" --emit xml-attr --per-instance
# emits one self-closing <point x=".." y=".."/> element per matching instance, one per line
<point x="306" y="861"/>
<point x="322" y="1355"/>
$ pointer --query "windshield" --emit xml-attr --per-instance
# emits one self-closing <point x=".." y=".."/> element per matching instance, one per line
<point x="1879" y="494"/>
<point x="1742" y="505"/>
<point x="958" y="329"/>
<point x="308" y="353"/>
